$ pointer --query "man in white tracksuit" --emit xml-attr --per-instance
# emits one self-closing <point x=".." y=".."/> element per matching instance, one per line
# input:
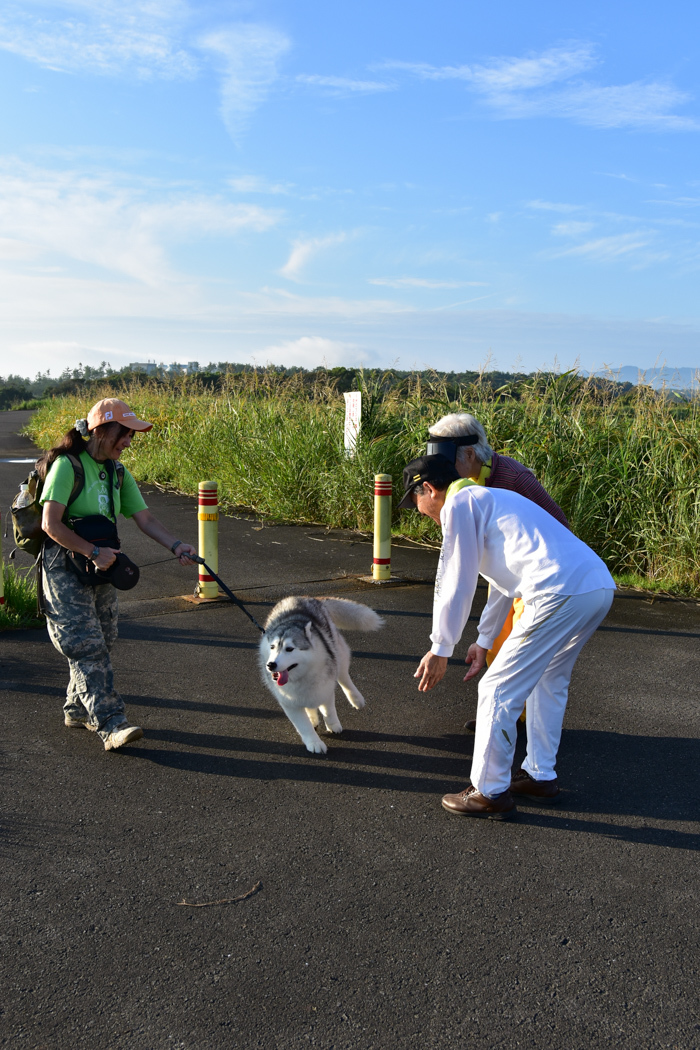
<point x="522" y="551"/>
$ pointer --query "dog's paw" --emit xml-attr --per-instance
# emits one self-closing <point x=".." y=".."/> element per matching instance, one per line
<point x="357" y="700"/>
<point x="316" y="746"/>
<point x="334" y="727"/>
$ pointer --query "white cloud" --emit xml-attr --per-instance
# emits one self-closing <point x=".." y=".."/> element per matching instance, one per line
<point x="281" y="302"/>
<point x="549" y="85"/>
<point x="250" y="56"/>
<point x="571" y="229"/>
<point x="256" y="184"/>
<point x="303" y="251"/>
<point x="422" y="282"/>
<point x="633" y="246"/>
<point x="310" y="351"/>
<point x="552" y="206"/>
<point x="679" y="202"/>
<point x="506" y="75"/>
<point x="106" y="37"/>
<point x="345" y="85"/>
<point x="636" y="105"/>
<point x="108" y="222"/>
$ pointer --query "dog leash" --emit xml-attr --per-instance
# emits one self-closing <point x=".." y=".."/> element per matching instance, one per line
<point x="224" y="588"/>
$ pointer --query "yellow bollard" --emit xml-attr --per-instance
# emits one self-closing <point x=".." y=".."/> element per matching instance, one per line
<point x="208" y="518"/>
<point x="2" y="568"/>
<point x="381" y="563"/>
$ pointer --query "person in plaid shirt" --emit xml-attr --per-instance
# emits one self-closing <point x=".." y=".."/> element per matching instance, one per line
<point x="478" y="461"/>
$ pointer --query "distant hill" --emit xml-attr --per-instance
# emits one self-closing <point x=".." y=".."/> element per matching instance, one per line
<point x="671" y="378"/>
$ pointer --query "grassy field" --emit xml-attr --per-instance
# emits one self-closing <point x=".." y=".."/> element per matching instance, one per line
<point x="19" y="609"/>
<point x="625" y="471"/>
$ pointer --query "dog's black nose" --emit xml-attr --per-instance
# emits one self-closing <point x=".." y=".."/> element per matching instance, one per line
<point x="271" y="666"/>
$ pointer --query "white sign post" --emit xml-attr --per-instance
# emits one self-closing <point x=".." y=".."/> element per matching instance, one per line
<point x="353" y="420"/>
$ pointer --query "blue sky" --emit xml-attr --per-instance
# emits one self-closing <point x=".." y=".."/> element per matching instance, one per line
<point x="444" y="184"/>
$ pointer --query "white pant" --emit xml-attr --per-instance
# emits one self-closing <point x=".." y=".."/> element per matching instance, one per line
<point x="533" y="665"/>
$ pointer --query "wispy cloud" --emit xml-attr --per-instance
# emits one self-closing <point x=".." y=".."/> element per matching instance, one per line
<point x="549" y="84"/>
<point x="679" y="202"/>
<point x="106" y="37"/>
<point x="345" y="85"/>
<point x="304" y="250"/>
<point x="256" y="184"/>
<point x="120" y="226"/>
<point x="553" y="206"/>
<point x="633" y="246"/>
<point x="310" y="351"/>
<point x="422" y="282"/>
<point x="507" y="75"/>
<point x="571" y="229"/>
<point x="249" y="55"/>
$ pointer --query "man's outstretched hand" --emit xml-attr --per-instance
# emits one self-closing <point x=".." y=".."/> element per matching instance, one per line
<point x="476" y="658"/>
<point x="431" y="670"/>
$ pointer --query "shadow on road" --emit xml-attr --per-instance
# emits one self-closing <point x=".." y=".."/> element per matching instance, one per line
<point x="602" y="773"/>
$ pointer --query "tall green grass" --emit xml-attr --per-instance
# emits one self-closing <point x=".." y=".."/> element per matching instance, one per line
<point x="625" y="473"/>
<point x="19" y="609"/>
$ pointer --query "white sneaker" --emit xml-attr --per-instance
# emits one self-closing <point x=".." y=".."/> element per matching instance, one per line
<point x="123" y="734"/>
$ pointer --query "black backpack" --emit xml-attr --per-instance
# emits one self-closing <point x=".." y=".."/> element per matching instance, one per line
<point x="26" y="521"/>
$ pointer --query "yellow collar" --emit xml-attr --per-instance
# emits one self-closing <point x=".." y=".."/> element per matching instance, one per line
<point x="460" y="483"/>
<point x="485" y="473"/>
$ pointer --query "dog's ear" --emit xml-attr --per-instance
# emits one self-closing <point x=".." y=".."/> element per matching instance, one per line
<point x="308" y="628"/>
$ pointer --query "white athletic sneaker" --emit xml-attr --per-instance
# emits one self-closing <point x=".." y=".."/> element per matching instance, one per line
<point x="123" y="734"/>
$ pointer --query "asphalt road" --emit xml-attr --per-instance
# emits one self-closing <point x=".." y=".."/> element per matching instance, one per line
<point x="381" y="921"/>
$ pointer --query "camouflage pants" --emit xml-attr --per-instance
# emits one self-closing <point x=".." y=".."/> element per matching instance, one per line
<point x="82" y="624"/>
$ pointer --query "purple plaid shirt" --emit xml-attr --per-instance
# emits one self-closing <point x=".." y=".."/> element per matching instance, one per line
<point x="507" y="473"/>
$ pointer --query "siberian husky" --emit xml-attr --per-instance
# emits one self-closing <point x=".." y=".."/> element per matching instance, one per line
<point x="303" y="655"/>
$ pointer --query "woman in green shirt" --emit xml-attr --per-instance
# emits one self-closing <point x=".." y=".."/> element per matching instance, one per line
<point x="82" y="617"/>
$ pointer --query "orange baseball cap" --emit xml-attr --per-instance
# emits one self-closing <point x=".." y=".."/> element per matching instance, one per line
<point x="112" y="410"/>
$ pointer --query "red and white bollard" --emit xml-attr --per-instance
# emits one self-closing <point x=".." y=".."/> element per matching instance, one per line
<point x="208" y="520"/>
<point x="381" y="563"/>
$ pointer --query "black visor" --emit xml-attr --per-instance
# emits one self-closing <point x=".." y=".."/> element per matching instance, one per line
<point x="447" y="446"/>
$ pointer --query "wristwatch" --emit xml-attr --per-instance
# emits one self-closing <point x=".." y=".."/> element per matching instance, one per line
<point x="95" y="553"/>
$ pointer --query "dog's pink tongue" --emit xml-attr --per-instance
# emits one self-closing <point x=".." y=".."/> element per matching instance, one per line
<point x="283" y="678"/>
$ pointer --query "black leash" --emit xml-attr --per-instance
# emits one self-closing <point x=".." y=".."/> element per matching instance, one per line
<point x="224" y="588"/>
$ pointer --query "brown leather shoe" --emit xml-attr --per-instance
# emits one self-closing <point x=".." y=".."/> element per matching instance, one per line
<point x="546" y="792"/>
<point x="471" y="803"/>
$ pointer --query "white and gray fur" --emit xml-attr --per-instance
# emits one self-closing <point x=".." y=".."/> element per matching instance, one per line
<point x="301" y="638"/>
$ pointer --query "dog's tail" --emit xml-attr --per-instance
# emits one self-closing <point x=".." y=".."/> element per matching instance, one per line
<point x="352" y="616"/>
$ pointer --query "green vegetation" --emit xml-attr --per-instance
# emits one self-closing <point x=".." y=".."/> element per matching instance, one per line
<point x="20" y="608"/>
<point x="621" y="462"/>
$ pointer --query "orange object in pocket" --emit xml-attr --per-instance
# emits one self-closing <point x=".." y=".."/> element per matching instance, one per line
<point x="512" y="618"/>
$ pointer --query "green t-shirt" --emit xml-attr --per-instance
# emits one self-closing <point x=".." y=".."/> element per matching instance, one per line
<point x="94" y="499"/>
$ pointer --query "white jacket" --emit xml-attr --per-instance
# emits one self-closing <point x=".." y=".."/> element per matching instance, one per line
<point x="518" y="547"/>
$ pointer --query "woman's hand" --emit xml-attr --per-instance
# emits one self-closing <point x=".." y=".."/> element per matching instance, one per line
<point x="183" y="551"/>
<point x="149" y="524"/>
<point x="106" y="557"/>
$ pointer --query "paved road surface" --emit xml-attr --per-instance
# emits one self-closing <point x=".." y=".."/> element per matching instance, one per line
<point x="381" y="922"/>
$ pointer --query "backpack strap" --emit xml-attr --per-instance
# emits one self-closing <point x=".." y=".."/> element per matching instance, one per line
<point x="111" y="474"/>
<point x="79" y="480"/>
<point x="120" y="474"/>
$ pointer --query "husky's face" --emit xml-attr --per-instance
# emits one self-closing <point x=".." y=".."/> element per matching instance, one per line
<point x="285" y="652"/>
